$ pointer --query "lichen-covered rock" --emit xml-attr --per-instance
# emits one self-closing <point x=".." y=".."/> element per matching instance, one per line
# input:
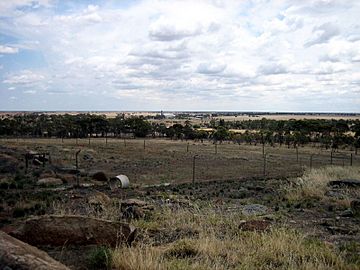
<point x="77" y="230"/>
<point x="15" y="254"/>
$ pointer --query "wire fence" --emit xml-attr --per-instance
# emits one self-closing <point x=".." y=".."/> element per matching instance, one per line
<point x="162" y="160"/>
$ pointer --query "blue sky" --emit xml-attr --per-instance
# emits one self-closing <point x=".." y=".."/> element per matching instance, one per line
<point x="250" y="55"/>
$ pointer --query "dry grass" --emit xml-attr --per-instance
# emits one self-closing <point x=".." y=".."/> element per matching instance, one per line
<point x="314" y="183"/>
<point x="166" y="160"/>
<point x="221" y="245"/>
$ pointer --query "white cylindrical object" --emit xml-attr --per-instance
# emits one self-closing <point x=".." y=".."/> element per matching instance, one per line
<point x="119" y="181"/>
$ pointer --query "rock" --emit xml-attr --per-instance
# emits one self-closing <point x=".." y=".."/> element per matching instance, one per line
<point x="37" y="162"/>
<point x="136" y="202"/>
<point x="335" y="194"/>
<point x="347" y="213"/>
<point x="100" y="176"/>
<point x="87" y="157"/>
<point x="254" y="210"/>
<point x="68" y="178"/>
<point x="68" y="170"/>
<point x="47" y="174"/>
<point x="340" y="230"/>
<point x="15" y="254"/>
<point x="134" y="208"/>
<point x="133" y="212"/>
<point x="355" y="207"/>
<point x="77" y="230"/>
<point x="50" y="181"/>
<point x="254" y="225"/>
<point x="99" y="200"/>
<point x="345" y="183"/>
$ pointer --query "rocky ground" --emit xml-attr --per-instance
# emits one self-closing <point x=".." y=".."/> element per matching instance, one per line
<point x="80" y="221"/>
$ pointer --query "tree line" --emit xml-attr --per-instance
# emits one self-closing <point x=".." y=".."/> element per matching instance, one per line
<point x="292" y="133"/>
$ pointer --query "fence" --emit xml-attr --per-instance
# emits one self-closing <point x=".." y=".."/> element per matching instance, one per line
<point x="163" y="160"/>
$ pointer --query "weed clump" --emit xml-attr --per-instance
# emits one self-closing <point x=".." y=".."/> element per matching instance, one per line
<point x="183" y="248"/>
<point x="100" y="258"/>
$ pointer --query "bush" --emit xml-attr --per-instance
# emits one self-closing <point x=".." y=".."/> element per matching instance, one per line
<point x="100" y="258"/>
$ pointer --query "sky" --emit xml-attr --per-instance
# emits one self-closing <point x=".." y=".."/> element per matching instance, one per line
<point x="240" y="55"/>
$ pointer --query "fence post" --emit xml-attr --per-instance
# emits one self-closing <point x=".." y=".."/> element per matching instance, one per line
<point x="187" y="148"/>
<point x="76" y="159"/>
<point x="297" y="154"/>
<point x="264" y="166"/>
<point x="193" y="176"/>
<point x="263" y="149"/>
<point x="106" y="139"/>
<point x="351" y="159"/>
<point x="331" y="157"/>
<point x="89" y="140"/>
<point x="144" y="145"/>
<point x="215" y="148"/>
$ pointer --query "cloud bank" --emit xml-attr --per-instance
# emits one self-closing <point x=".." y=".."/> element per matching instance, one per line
<point x="180" y="55"/>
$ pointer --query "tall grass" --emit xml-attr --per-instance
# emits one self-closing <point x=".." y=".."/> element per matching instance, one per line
<point x="314" y="183"/>
<point x="221" y="245"/>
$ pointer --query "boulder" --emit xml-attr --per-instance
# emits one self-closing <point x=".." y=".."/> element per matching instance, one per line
<point x="77" y="230"/>
<point x="254" y="210"/>
<point x="135" y="208"/>
<point x="99" y="200"/>
<point x="47" y="173"/>
<point x="50" y="181"/>
<point x="345" y="183"/>
<point x="15" y="254"/>
<point x="254" y="225"/>
<point x="99" y="176"/>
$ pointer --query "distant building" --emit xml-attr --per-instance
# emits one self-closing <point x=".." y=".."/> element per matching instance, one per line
<point x="169" y="115"/>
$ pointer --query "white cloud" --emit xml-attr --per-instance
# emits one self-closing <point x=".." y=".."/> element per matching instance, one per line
<point x="8" y="50"/>
<point x="25" y="77"/>
<point x="187" y="52"/>
<point x="323" y="34"/>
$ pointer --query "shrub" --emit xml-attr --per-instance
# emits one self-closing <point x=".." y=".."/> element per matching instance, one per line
<point x="100" y="258"/>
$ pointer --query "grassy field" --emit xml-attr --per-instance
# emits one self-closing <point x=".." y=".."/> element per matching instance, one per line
<point x="162" y="160"/>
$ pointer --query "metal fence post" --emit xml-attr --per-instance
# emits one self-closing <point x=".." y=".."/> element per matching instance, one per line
<point x="193" y="176"/>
